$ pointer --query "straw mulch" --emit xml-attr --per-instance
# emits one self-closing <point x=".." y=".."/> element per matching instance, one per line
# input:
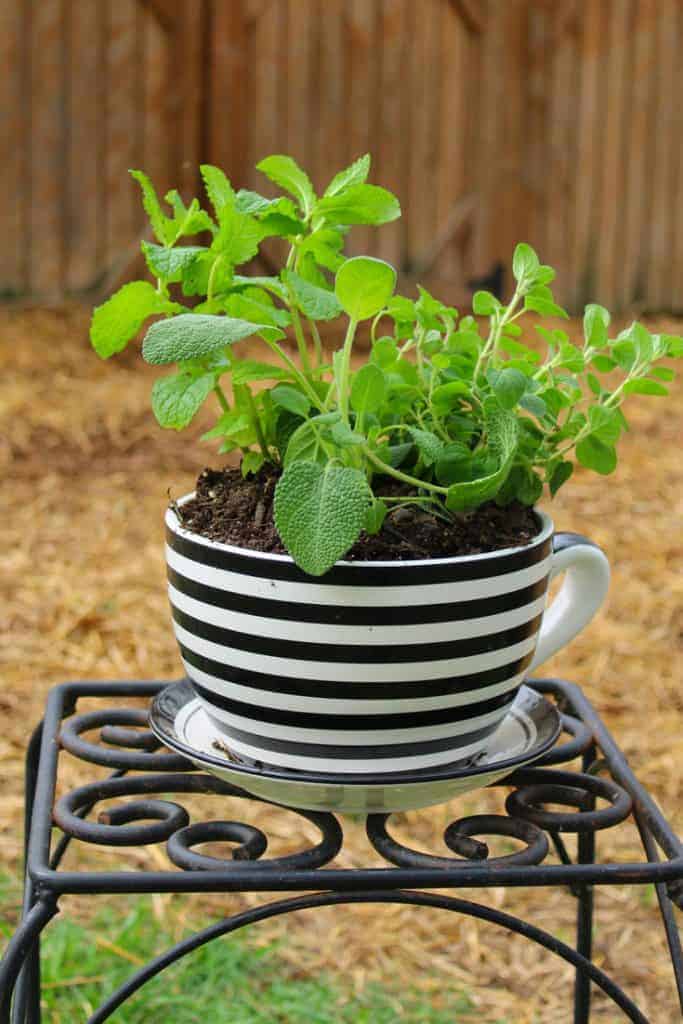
<point x="85" y="478"/>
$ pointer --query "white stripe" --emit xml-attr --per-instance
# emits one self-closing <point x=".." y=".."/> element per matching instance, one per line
<point x="321" y="593"/>
<point x="322" y="705"/>
<point x="353" y="737"/>
<point x="325" y="633"/>
<point x="339" y="766"/>
<point x="406" y="671"/>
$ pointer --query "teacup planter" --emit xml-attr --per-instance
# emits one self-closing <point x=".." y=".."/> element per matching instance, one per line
<point x="357" y="635"/>
<point x="378" y="666"/>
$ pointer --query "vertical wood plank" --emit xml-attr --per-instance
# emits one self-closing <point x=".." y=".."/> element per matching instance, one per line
<point x="539" y="73"/>
<point x="85" y="186"/>
<point x="450" y="169"/>
<point x="229" y="109"/>
<point x="614" y="153"/>
<point x="156" y="151"/>
<point x="264" y="50"/>
<point x="188" y="60"/>
<point x="359" y="43"/>
<point x="425" y="140"/>
<point x="46" y="214"/>
<point x="13" y="132"/>
<point x="677" y="219"/>
<point x="387" y="159"/>
<point x="299" y="72"/>
<point x="659" y="275"/>
<point x="120" y="118"/>
<point x="588" y="155"/>
<point x="333" y="149"/>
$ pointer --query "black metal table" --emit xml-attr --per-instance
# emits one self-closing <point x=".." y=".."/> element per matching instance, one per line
<point x="139" y="770"/>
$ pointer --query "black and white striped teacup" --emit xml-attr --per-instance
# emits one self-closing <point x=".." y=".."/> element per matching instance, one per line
<point x="376" y="666"/>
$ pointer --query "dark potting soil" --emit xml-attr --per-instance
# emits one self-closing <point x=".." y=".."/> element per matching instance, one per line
<point x="233" y="510"/>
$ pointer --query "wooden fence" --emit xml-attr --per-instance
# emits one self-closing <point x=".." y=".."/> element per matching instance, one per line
<point x="493" y="120"/>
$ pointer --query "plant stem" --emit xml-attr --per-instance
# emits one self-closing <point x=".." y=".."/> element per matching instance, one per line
<point x="256" y="423"/>
<point x="299" y="333"/>
<point x="296" y="373"/>
<point x="343" y="380"/>
<point x="212" y="274"/>
<point x="220" y="394"/>
<point x="398" y="475"/>
<point x="317" y="343"/>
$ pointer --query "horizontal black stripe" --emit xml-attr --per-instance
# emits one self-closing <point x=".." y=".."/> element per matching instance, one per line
<point x="356" y="654"/>
<point x="354" y="615"/>
<point x="371" y="753"/>
<point x="304" y="720"/>
<point x="413" y="688"/>
<point x="360" y="573"/>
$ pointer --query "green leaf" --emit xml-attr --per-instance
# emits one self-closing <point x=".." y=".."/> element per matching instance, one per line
<point x="192" y="336"/>
<point x="251" y="463"/>
<point x="246" y="370"/>
<point x="291" y="399"/>
<point x="319" y="512"/>
<point x="445" y="396"/>
<point x="453" y="463"/>
<point x="233" y="422"/>
<point x="529" y="486"/>
<point x="484" y="303"/>
<point x="120" y="318"/>
<point x="509" y="386"/>
<point x="238" y="237"/>
<point x="368" y="389"/>
<point x="384" y="352"/>
<point x="674" y="346"/>
<point x="344" y="437"/>
<point x="559" y="476"/>
<point x="271" y="284"/>
<point x="596" y="455"/>
<point x="525" y="262"/>
<point x="643" y="341"/>
<point x="219" y="190"/>
<point x="169" y="263"/>
<point x="544" y="306"/>
<point x="286" y="173"/>
<point x="501" y="427"/>
<point x="188" y="220"/>
<point x="603" y="364"/>
<point x="375" y="516"/>
<point x="624" y="351"/>
<point x="176" y="399"/>
<point x="314" y="302"/>
<point x="430" y="447"/>
<point x="643" y="386"/>
<point x="535" y="405"/>
<point x="663" y="373"/>
<point x="360" y="204"/>
<point x="305" y="444"/>
<point x="595" y="323"/>
<point x="355" y="174"/>
<point x="594" y="384"/>
<point x="364" y="285"/>
<point x="605" y="423"/>
<point x="162" y="226"/>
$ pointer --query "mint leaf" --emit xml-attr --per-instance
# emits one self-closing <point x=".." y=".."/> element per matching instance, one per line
<point x="162" y="226"/>
<point x="314" y="302"/>
<point x="286" y="173"/>
<point x="291" y="399"/>
<point x="176" y="399"/>
<point x="188" y="220"/>
<point x="596" y="455"/>
<point x="319" y="512"/>
<point x="364" y="285"/>
<point x="218" y="189"/>
<point x="238" y="237"/>
<point x="355" y="174"/>
<point x="368" y="389"/>
<point x="502" y="437"/>
<point x="120" y="318"/>
<point x="193" y="336"/>
<point x="360" y="204"/>
<point x="170" y="263"/>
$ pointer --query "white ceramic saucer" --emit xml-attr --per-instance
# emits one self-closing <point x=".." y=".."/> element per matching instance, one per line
<point x="529" y="729"/>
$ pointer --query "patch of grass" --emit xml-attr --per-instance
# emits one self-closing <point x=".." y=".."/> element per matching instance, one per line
<point x="226" y="982"/>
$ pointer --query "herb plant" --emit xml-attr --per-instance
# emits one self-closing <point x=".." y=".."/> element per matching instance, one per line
<point x="458" y="408"/>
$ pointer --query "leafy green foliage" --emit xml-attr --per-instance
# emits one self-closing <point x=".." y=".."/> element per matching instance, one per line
<point x="460" y="409"/>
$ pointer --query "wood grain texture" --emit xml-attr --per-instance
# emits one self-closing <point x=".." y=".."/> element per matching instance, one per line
<point x="14" y="200"/>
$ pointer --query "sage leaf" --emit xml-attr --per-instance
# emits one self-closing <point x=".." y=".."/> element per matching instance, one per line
<point x="192" y="336"/>
<point x="287" y="397"/>
<point x="319" y="512"/>
<point x="314" y="302"/>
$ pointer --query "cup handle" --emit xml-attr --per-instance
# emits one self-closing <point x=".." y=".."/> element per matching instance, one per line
<point x="580" y="596"/>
